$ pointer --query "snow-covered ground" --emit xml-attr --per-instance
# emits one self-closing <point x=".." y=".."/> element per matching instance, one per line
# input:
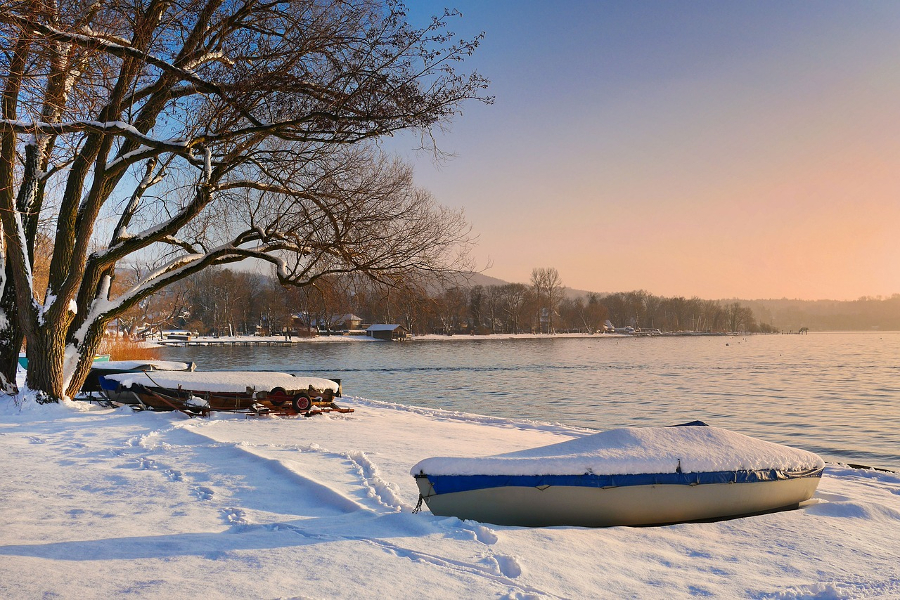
<point x="104" y="503"/>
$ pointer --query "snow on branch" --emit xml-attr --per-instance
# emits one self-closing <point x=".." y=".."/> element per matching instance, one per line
<point x="174" y="241"/>
<point x="160" y="232"/>
<point x="209" y="57"/>
<point x="136" y="156"/>
<point x="120" y="127"/>
<point x="186" y="264"/>
<point x="100" y="41"/>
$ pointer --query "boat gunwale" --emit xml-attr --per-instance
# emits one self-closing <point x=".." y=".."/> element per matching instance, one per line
<point x="447" y="484"/>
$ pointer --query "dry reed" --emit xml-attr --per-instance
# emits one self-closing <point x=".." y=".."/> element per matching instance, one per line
<point x="123" y="348"/>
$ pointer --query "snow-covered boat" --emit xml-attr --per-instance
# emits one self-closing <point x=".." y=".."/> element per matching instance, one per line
<point x="113" y="367"/>
<point x="223" y="390"/>
<point x="629" y="476"/>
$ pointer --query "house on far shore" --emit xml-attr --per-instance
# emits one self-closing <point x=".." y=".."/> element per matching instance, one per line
<point x="346" y="322"/>
<point x="387" y="332"/>
<point x="306" y="325"/>
<point x="181" y="335"/>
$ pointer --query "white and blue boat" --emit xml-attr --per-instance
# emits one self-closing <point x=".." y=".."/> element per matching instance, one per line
<point x="629" y="476"/>
<point x="113" y="367"/>
<point x="98" y="358"/>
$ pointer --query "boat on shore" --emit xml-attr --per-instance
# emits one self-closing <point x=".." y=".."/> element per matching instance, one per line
<point x="92" y="385"/>
<point x="98" y="358"/>
<point x="201" y="392"/>
<point x="629" y="476"/>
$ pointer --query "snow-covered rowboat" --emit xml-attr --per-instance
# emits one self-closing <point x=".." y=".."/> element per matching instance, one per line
<point x="114" y="367"/>
<point x="225" y="390"/>
<point x="630" y="476"/>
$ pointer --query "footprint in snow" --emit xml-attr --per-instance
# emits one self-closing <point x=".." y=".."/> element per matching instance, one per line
<point x="508" y="566"/>
<point x="234" y="515"/>
<point x="236" y="518"/>
<point x="463" y="529"/>
<point x="173" y="475"/>
<point x="484" y="535"/>
<point x="146" y="463"/>
<point x="204" y="493"/>
<point x="519" y="595"/>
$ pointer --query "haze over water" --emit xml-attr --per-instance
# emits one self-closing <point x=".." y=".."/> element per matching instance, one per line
<point x="832" y="393"/>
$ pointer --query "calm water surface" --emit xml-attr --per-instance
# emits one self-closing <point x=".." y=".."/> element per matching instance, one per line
<point x="837" y="394"/>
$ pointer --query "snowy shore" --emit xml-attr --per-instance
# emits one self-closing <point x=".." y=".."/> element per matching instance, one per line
<point x="244" y="340"/>
<point x="100" y="503"/>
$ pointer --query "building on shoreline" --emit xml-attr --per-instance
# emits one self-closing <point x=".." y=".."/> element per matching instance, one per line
<point x="388" y="332"/>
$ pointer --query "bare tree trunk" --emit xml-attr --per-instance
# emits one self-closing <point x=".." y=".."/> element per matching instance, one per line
<point x="46" y="352"/>
<point x="10" y="331"/>
<point x="88" y="349"/>
<point x="11" y="335"/>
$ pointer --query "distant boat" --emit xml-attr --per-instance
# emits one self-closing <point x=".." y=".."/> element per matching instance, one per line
<point x="631" y="476"/>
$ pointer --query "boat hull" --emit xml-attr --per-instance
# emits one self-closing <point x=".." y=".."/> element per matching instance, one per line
<point x="168" y="399"/>
<point x="650" y="504"/>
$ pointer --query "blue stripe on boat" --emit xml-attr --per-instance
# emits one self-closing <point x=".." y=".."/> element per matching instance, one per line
<point x="108" y="384"/>
<point x="447" y="484"/>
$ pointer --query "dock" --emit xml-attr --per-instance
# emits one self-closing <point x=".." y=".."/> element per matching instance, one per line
<point x="230" y="341"/>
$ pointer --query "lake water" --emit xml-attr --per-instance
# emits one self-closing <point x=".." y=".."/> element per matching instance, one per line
<point x="837" y="394"/>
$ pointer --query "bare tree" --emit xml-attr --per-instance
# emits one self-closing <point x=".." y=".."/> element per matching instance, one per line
<point x="155" y="312"/>
<point x="207" y="132"/>
<point x="585" y="314"/>
<point x="476" y="308"/>
<point x="451" y="308"/>
<point x="548" y="288"/>
<point x="492" y="301"/>
<point x="515" y="298"/>
<point x="740" y="318"/>
<point x="413" y="308"/>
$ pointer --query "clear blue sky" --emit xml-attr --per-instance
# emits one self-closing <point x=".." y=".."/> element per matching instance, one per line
<point x="719" y="149"/>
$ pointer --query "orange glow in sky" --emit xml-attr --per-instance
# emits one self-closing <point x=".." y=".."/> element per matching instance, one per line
<point x="713" y="149"/>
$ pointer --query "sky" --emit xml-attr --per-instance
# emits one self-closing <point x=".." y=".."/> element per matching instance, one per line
<point x="711" y="149"/>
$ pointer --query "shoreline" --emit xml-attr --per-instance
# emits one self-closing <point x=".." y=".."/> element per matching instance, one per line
<point x="252" y="340"/>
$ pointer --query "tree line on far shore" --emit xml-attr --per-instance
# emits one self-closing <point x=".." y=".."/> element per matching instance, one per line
<point x="224" y="302"/>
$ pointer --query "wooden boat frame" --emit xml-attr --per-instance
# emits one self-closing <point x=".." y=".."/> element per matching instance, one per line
<point x="277" y="401"/>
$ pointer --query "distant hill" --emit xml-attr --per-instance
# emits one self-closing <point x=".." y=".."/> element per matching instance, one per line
<point x="865" y="314"/>
<point x="472" y="279"/>
<point x="482" y="279"/>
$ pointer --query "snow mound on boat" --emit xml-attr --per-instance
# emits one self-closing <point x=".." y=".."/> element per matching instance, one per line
<point x="223" y="381"/>
<point x="634" y="450"/>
